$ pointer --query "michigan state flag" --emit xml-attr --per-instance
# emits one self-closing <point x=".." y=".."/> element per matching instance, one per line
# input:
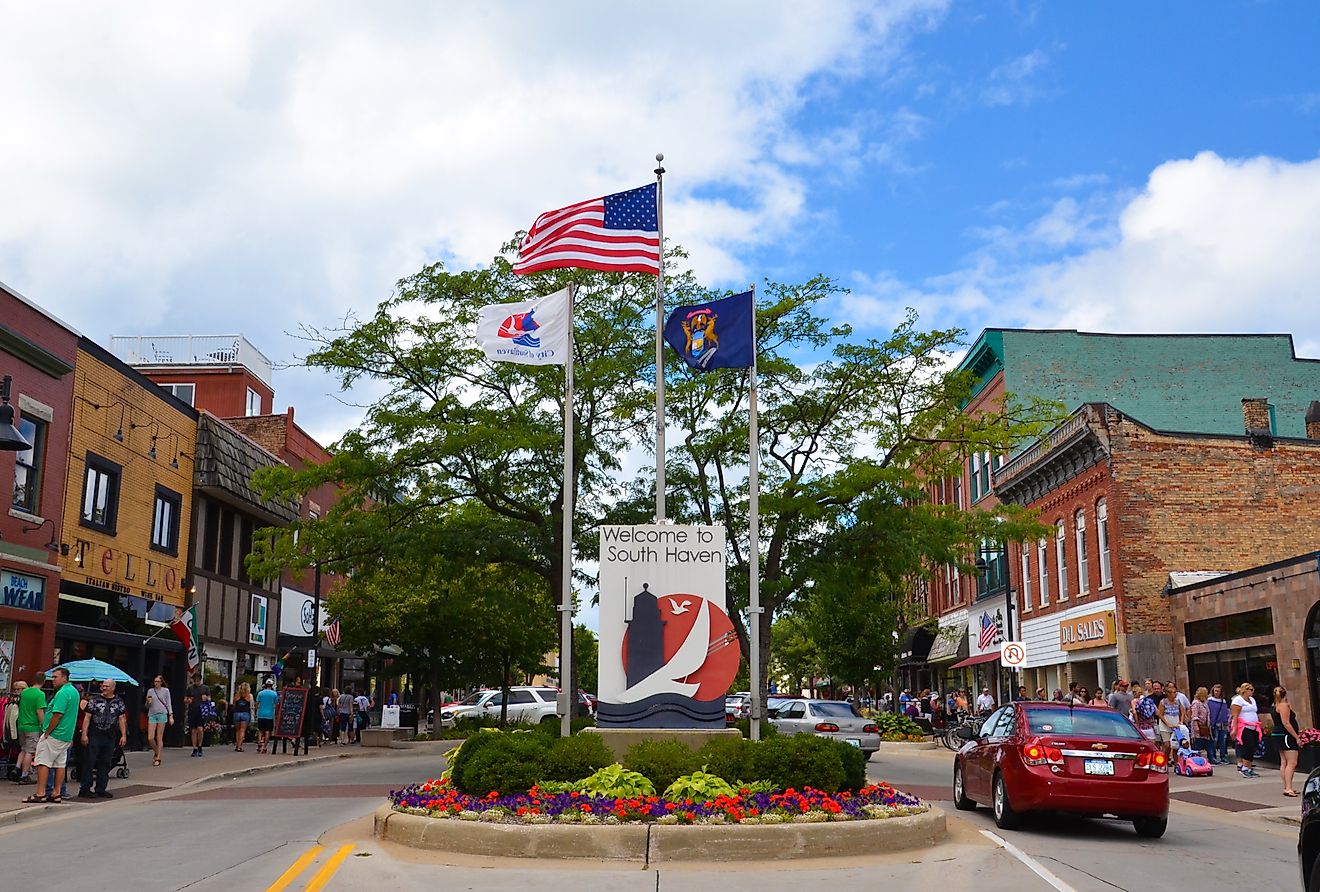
<point x="714" y="335"/>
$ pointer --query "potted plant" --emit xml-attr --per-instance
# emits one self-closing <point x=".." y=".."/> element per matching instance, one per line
<point x="1309" y="758"/>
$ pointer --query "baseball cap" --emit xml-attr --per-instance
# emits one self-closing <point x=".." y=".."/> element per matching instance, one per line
<point x="270" y="683"/>
<point x="1123" y="682"/>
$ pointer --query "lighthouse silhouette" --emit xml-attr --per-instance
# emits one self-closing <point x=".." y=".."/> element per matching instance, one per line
<point x="646" y="637"/>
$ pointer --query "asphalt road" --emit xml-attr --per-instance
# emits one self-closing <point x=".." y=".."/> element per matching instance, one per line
<point x="311" y="827"/>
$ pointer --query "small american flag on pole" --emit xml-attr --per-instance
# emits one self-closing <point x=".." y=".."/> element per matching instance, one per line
<point x="619" y="233"/>
<point x="332" y="634"/>
<point x="989" y="629"/>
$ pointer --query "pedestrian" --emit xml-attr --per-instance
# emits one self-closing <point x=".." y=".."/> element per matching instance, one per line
<point x="1080" y="696"/>
<point x="1098" y="698"/>
<point x="242" y="713"/>
<point x="1245" y="728"/>
<point x="1021" y="694"/>
<point x="1040" y="693"/>
<point x="31" y="719"/>
<point x="192" y="698"/>
<point x="1199" y="719"/>
<point x="56" y="736"/>
<point x="985" y="703"/>
<point x="1285" y="733"/>
<point x="1121" y="699"/>
<point x="1220" y="718"/>
<point x="1172" y="717"/>
<point x="1145" y="712"/>
<point x="266" y="702"/>
<point x="362" y="707"/>
<point x="104" y="727"/>
<point x="311" y="723"/>
<point x="344" y="708"/>
<point x="160" y="712"/>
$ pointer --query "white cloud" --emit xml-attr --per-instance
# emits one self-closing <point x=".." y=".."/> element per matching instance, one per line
<point x="251" y="167"/>
<point x="1014" y="82"/>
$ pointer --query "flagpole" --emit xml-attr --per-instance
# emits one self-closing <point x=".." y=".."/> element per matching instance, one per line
<point x="566" y="597"/>
<point x="660" y="343"/>
<point x="754" y="537"/>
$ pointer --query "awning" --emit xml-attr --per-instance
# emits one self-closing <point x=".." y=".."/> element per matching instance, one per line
<point x="915" y="646"/>
<point x="973" y="661"/>
<point x="949" y="643"/>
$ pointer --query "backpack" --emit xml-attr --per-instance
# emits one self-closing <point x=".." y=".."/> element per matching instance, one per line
<point x="1146" y="707"/>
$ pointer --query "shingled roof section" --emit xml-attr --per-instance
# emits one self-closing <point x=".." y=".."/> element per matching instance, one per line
<point x="225" y="463"/>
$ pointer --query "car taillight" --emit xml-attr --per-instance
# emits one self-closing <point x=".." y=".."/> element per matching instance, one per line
<point x="870" y="729"/>
<point x="1039" y="754"/>
<point x="827" y="727"/>
<point x="1154" y="761"/>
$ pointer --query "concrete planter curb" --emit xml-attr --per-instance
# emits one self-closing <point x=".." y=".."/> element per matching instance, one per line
<point x="904" y="746"/>
<point x="655" y="843"/>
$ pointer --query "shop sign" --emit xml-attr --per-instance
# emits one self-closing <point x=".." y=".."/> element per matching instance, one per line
<point x="1092" y="630"/>
<point x="126" y="573"/>
<point x="22" y="592"/>
<point x="257" y="620"/>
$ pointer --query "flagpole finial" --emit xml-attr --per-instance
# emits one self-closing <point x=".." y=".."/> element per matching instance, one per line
<point x="660" y="163"/>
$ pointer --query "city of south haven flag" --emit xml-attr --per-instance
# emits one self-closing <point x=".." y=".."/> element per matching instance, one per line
<point x="532" y="332"/>
<point x="714" y="335"/>
<point x="620" y="233"/>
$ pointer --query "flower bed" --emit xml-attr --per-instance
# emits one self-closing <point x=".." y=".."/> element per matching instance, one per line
<point x="439" y="799"/>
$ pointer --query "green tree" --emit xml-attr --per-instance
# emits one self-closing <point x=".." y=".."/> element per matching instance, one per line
<point x="793" y="655"/>
<point x="586" y="656"/>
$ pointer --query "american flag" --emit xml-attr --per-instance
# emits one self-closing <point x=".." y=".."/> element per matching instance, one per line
<point x="620" y="232"/>
<point x="989" y="629"/>
<point x="332" y="634"/>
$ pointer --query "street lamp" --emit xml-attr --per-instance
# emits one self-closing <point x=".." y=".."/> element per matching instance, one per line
<point x="11" y="440"/>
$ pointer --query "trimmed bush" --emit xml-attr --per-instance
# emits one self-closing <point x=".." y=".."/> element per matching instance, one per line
<point x="661" y="761"/>
<point x="495" y="761"/>
<point x="727" y="757"/>
<point x="800" y="760"/>
<point x="573" y="758"/>
<point x="551" y="728"/>
<point x="854" y="766"/>
<point x="745" y="727"/>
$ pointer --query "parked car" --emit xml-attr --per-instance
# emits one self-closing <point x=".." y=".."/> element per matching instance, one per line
<point x="1308" y="837"/>
<point x="1053" y="757"/>
<point x="526" y="704"/>
<point x="835" y="719"/>
<point x="588" y="702"/>
<point x="738" y="706"/>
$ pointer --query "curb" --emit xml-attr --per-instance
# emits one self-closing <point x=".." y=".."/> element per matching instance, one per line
<point x="904" y="746"/>
<point x="654" y="843"/>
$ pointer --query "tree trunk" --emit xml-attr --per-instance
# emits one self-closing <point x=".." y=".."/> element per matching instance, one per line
<point x="435" y="697"/>
<point x="504" y="693"/>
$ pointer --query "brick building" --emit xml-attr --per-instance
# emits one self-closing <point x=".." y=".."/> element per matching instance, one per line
<point x="1188" y="383"/>
<point x="1132" y="505"/>
<point x="39" y="353"/>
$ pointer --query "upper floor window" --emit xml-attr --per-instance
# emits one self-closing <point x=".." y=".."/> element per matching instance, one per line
<point x="1043" y="565"/>
<point x="253" y="402"/>
<point x="1102" y="532"/>
<point x="957" y="492"/>
<point x="185" y="392"/>
<point x="976" y="477"/>
<point x="1061" y="558"/>
<point x="1026" y="578"/>
<point x="28" y="465"/>
<point x="100" y="501"/>
<point x="165" y="521"/>
<point x="1080" y="535"/>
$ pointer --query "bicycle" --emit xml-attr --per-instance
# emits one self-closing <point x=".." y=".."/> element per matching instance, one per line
<point x="966" y="728"/>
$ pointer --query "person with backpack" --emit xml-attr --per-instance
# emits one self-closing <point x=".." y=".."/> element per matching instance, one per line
<point x="1145" y="712"/>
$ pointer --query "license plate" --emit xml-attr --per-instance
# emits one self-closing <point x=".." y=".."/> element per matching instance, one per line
<point x="853" y="741"/>
<point x="1099" y="766"/>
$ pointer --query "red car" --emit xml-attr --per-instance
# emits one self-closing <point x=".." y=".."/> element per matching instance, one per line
<point x="1085" y="760"/>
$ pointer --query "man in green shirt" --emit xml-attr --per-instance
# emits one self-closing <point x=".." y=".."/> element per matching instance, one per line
<point x="56" y="735"/>
<point x="31" y="718"/>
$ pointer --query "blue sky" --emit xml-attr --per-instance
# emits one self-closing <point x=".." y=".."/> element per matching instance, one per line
<point x="254" y="168"/>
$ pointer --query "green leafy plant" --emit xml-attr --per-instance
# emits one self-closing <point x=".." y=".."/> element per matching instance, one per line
<point x="495" y="761"/>
<point x="571" y="758"/>
<point x="745" y="726"/>
<point x="854" y="766"/>
<point x="699" y="786"/>
<point x="555" y="787"/>
<point x="800" y="760"/>
<point x="727" y="757"/>
<point x="662" y="761"/>
<point x="896" y="727"/>
<point x="615" y="780"/>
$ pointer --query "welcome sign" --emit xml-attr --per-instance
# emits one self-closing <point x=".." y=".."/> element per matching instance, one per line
<point x="668" y="652"/>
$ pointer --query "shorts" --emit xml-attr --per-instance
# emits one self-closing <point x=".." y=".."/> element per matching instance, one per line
<point x="1165" y="733"/>
<point x="52" y="753"/>
<point x="157" y="718"/>
<point x="265" y="725"/>
<point x="242" y="717"/>
<point x="28" y="741"/>
<point x="1250" y="740"/>
<point x="1286" y="743"/>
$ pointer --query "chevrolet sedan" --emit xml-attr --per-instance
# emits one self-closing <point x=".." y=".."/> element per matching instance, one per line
<point x="834" y="719"/>
<point x="1050" y="757"/>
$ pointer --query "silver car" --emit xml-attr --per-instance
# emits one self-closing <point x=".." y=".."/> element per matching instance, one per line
<point x="834" y="719"/>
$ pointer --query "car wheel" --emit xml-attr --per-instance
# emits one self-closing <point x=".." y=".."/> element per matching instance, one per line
<point x="1151" y="828"/>
<point x="1313" y="882"/>
<point x="1005" y="817"/>
<point x="961" y="800"/>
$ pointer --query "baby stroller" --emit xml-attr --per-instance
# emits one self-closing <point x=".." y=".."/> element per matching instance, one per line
<point x="118" y="763"/>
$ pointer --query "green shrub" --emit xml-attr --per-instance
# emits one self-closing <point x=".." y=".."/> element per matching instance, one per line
<point x="573" y="758"/>
<point x="661" y="761"/>
<point x="854" y="766"/>
<point x="551" y="728"/>
<point x="507" y="763"/>
<point x="896" y="727"/>
<point x="800" y="760"/>
<point x="727" y="757"/>
<point x="745" y="726"/>
<point x="699" y="786"/>
<point x="615" y="780"/>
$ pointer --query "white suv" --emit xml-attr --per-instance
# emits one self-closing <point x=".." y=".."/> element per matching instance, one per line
<point x="526" y="705"/>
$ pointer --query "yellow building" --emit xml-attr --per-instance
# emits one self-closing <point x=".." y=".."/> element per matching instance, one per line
<point x="128" y="505"/>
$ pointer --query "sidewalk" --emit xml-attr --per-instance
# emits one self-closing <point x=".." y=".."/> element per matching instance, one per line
<point x="177" y="769"/>
<point x="1227" y="790"/>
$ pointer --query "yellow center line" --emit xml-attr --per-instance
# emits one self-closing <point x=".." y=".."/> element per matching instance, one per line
<point x="325" y="873"/>
<point x="296" y="868"/>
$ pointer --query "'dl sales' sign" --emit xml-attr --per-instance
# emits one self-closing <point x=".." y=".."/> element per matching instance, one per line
<point x="1092" y="630"/>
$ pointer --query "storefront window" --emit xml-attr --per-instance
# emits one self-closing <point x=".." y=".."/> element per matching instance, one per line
<point x="1252" y="624"/>
<point x="1258" y="665"/>
<point x="216" y="674"/>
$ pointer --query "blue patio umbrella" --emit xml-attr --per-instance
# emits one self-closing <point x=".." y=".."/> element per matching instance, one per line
<point x="92" y="670"/>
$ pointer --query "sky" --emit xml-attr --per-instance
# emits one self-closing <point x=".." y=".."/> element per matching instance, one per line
<point x="189" y="168"/>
